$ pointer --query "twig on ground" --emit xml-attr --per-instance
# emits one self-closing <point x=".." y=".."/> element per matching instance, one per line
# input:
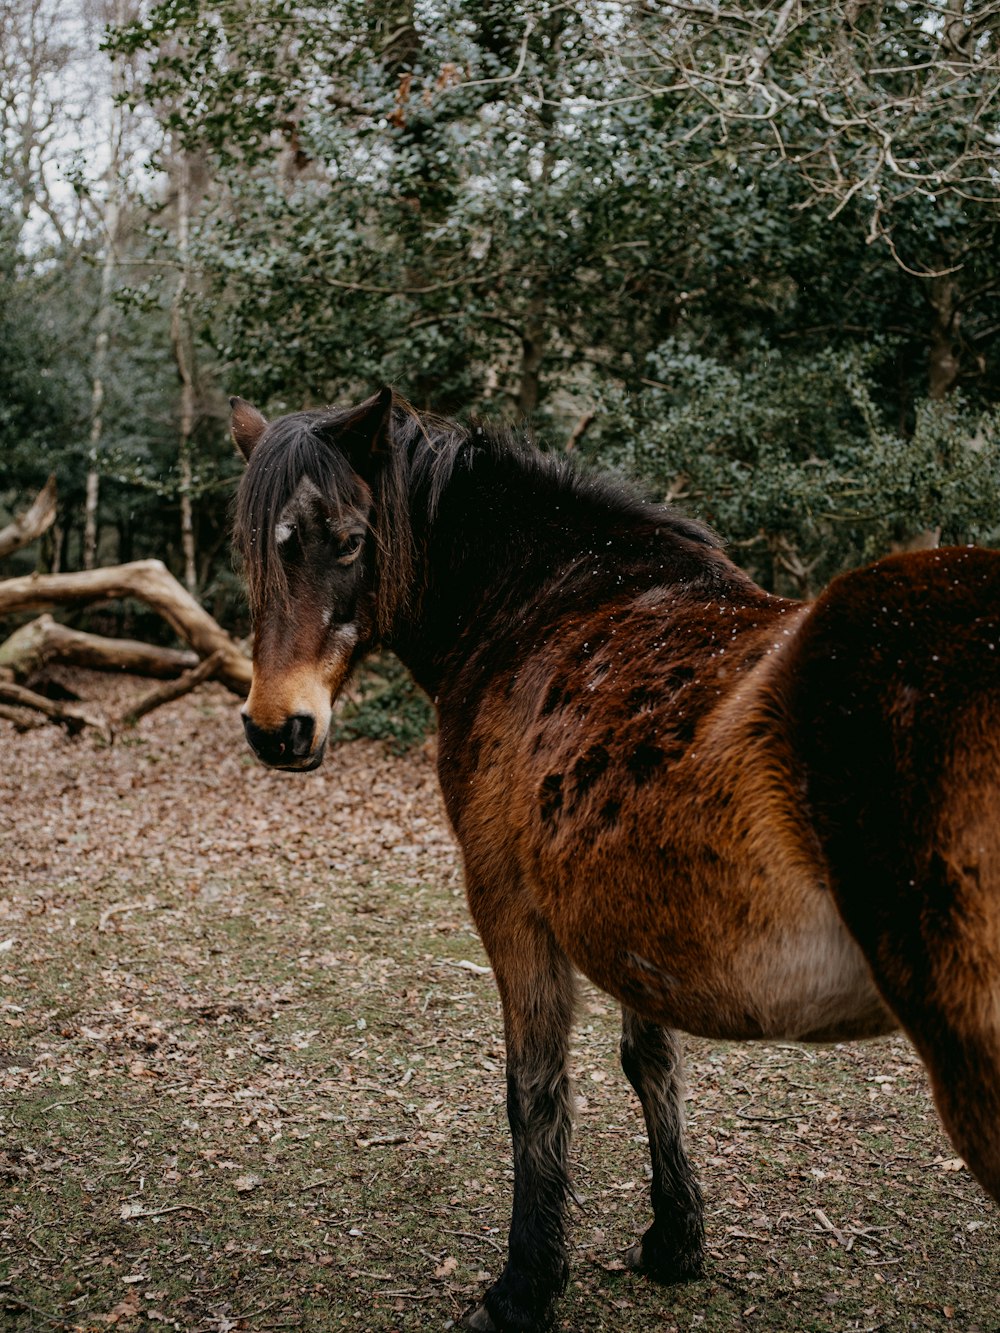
<point x="71" y="715"/>
<point x="474" y="1235"/>
<point x="159" y="1212"/>
<point x="772" y="1119"/>
<point x="834" y="1231"/>
<point x="143" y="904"/>
<point x="21" y="720"/>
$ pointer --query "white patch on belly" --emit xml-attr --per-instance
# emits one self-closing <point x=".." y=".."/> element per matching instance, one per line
<point x="820" y="986"/>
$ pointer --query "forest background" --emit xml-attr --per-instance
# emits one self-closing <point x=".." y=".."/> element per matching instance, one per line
<point x="748" y="253"/>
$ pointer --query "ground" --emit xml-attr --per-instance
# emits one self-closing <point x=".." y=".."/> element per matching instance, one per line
<point x="251" y="1078"/>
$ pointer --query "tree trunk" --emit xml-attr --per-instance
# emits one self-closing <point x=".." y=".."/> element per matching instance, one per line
<point x="180" y="337"/>
<point x="534" y="336"/>
<point x="44" y="640"/>
<point x="102" y="321"/>
<point x="532" y="355"/>
<point x="943" y="366"/>
<point x="92" y="494"/>
<point x="943" y="362"/>
<point x="102" y="341"/>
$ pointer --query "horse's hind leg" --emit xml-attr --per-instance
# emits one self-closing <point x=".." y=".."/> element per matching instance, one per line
<point x="671" y="1250"/>
<point x="536" y="987"/>
<point x="939" y="968"/>
<point x="904" y="786"/>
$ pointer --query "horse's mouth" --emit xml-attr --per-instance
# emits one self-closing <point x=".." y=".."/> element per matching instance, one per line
<point x="304" y="765"/>
<point x="296" y="745"/>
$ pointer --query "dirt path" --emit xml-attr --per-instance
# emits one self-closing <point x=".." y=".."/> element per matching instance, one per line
<point x="251" y="1077"/>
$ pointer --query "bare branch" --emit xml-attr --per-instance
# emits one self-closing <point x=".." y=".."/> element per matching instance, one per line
<point x="175" y="690"/>
<point x="29" y="525"/>
<point x="71" y="715"/>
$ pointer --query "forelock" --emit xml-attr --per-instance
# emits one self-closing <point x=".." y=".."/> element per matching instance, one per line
<point x="293" y="450"/>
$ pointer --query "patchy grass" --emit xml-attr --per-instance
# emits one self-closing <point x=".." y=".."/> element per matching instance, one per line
<point x="248" y="1081"/>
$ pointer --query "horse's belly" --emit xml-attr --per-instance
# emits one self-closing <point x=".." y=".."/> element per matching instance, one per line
<point x="816" y="986"/>
<point x="795" y="976"/>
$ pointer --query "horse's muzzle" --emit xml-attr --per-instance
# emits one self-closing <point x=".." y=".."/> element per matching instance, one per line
<point x="290" y="746"/>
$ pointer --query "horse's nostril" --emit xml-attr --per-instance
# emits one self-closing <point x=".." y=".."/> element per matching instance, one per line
<point x="303" y="727"/>
<point x="292" y="741"/>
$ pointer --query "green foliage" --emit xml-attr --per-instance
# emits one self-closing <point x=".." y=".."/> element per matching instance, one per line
<point x="475" y="203"/>
<point x="760" y="240"/>
<point x="792" y="460"/>
<point x="388" y="707"/>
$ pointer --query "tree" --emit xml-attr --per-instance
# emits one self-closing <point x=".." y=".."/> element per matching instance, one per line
<point x="35" y="54"/>
<point x="431" y="209"/>
<point x="689" y="222"/>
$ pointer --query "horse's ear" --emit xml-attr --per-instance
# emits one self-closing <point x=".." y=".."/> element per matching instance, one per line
<point x="367" y="432"/>
<point x="246" y="425"/>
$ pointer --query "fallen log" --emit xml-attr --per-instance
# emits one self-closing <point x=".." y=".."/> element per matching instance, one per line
<point x="21" y="718"/>
<point x="175" y="690"/>
<point x="75" y="716"/>
<point x="32" y="522"/>
<point x="44" y="641"/>
<point x="151" y="582"/>
<point x="72" y="716"/>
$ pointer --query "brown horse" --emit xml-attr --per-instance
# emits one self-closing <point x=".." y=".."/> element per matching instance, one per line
<point x="743" y="817"/>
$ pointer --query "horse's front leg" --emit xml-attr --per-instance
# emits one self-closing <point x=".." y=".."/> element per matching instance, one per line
<point x="536" y="988"/>
<point x="671" y="1250"/>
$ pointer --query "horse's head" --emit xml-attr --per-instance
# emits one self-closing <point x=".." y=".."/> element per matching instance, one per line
<point x="302" y="527"/>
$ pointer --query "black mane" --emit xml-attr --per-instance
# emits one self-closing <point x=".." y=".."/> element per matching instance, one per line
<point x="427" y="455"/>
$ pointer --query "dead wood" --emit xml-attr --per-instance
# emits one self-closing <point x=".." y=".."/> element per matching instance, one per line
<point x="44" y="641"/>
<point x="151" y="582"/>
<point x="72" y="716"/>
<point x="579" y="430"/>
<point x="21" y="718"/>
<point x="166" y="693"/>
<point x="32" y="522"/>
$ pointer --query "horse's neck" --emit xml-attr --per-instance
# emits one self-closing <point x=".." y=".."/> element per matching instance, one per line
<point x="507" y="550"/>
<point x="474" y="566"/>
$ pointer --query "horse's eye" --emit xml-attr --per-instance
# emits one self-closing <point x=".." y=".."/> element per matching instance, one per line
<point x="348" y="548"/>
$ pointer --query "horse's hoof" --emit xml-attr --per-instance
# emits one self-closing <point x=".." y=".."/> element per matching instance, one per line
<point x="633" y="1257"/>
<point x="479" y="1321"/>
<point x="667" y="1269"/>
